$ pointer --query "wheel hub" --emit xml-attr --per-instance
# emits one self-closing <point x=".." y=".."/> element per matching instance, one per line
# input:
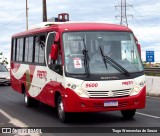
<point x="61" y="110"/>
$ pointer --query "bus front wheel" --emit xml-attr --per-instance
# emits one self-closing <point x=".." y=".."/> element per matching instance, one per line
<point x="62" y="115"/>
<point x="128" y="114"/>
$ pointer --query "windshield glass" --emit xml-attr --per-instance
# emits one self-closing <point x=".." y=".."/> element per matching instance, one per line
<point x="119" y="46"/>
<point x="3" y="68"/>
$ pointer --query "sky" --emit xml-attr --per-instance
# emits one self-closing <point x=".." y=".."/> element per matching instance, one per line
<point x="143" y="18"/>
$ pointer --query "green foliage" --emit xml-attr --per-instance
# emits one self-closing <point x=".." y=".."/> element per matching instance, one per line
<point x="2" y="59"/>
<point x="5" y="62"/>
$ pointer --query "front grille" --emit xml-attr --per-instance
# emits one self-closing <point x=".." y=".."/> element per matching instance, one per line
<point x="107" y="94"/>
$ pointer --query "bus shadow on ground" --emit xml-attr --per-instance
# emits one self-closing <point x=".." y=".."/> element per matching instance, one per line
<point x="97" y="118"/>
<point x="91" y="118"/>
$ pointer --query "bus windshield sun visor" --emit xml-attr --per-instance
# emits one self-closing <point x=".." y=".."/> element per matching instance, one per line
<point x="107" y="59"/>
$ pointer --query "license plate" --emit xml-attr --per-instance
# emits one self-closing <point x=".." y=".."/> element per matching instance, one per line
<point x="110" y="103"/>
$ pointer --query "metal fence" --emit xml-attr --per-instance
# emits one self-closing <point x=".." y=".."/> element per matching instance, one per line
<point x="155" y="71"/>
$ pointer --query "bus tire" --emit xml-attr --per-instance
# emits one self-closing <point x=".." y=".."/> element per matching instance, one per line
<point x="128" y="114"/>
<point x="62" y="115"/>
<point x="30" y="102"/>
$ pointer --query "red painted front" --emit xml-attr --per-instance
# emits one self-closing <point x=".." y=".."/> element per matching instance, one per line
<point x="73" y="103"/>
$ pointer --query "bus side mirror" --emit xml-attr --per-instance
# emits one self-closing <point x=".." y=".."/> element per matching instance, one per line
<point x="139" y="49"/>
<point x="56" y="37"/>
<point x="54" y="52"/>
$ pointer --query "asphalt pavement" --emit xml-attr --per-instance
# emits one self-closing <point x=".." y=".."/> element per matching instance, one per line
<point x="14" y="113"/>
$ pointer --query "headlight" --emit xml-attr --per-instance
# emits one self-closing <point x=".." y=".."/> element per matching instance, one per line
<point x="137" y="88"/>
<point x="8" y="77"/>
<point x="79" y="91"/>
<point x="74" y="87"/>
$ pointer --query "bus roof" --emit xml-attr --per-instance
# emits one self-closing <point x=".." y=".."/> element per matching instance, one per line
<point x="72" y="26"/>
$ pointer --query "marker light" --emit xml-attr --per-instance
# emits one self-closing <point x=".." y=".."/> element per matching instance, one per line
<point x="69" y="85"/>
<point x="73" y="87"/>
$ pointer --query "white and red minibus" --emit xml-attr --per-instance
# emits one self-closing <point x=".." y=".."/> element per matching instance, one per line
<point x="79" y="67"/>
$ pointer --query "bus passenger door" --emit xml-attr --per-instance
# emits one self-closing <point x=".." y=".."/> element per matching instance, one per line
<point x="54" y="66"/>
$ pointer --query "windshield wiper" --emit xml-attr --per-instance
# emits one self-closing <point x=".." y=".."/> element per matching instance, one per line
<point x="86" y="59"/>
<point x="103" y="57"/>
<point x="113" y="63"/>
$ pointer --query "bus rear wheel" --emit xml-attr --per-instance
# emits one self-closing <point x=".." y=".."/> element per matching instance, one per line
<point x="62" y="115"/>
<point x="128" y="114"/>
<point x="30" y="102"/>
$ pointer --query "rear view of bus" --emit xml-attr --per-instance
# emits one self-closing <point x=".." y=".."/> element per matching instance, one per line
<point x="89" y="67"/>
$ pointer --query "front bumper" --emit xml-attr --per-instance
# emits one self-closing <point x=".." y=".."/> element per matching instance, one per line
<point x="5" y="81"/>
<point x="74" y="103"/>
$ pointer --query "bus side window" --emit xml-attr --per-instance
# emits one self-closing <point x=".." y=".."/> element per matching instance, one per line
<point x="39" y="48"/>
<point x="28" y="49"/>
<point x="13" y="49"/>
<point x="55" y="65"/>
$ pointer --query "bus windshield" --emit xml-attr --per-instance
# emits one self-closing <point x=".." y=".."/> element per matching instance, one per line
<point x="86" y="53"/>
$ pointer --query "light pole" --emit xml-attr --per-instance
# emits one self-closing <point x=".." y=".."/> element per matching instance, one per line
<point x="26" y="14"/>
<point x="44" y="11"/>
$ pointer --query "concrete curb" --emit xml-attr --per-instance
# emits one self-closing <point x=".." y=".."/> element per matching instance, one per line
<point x="153" y="86"/>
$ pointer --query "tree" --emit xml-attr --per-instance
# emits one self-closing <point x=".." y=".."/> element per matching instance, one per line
<point x="3" y="60"/>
